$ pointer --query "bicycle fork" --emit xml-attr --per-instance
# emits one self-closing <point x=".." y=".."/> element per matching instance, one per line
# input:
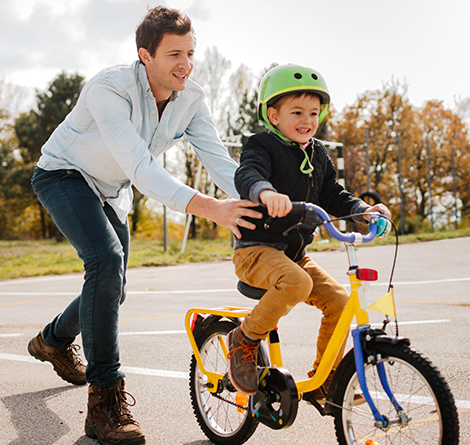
<point x="380" y="420"/>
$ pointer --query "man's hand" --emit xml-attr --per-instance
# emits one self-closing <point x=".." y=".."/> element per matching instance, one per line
<point x="277" y="204"/>
<point x="227" y="213"/>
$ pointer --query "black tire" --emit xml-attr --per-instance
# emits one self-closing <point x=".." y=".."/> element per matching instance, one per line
<point x="420" y="390"/>
<point x="218" y="416"/>
<point x="370" y="197"/>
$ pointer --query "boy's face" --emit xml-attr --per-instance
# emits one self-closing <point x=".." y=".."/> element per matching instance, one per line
<point x="297" y="117"/>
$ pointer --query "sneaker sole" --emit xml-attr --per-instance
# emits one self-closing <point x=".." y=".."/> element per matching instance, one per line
<point x="92" y="430"/>
<point x="237" y="387"/>
<point x="36" y="353"/>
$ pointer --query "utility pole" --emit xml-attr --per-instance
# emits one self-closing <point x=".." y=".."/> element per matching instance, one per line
<point x="367" y="158"/>
<point x="455" y="190"/>
<point x="402" y="227"/>
<point x="431" y="208"/>
<point x="164" y="213"/>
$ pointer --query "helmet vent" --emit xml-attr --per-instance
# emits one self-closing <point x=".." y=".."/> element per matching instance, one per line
<point x="298" y="76"/>
<point x="314" y="76"/>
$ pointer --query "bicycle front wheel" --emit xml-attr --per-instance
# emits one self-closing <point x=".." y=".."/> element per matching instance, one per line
<point x="223" y="416"/>
<point x="429" y="414"/>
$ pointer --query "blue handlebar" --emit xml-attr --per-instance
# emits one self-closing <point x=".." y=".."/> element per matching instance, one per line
<point x="350" y="237"/>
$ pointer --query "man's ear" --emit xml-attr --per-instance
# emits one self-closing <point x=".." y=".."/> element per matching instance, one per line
<point x="272" y="116"/>
<point x="144" y="55"/>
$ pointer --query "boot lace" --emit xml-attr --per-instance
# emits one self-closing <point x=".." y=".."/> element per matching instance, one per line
<point x="118" y="407"/>
<point x="249" y="352"/>
<point x="68" y="355"/>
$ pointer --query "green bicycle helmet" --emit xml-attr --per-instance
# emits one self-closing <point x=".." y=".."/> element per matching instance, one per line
<point x="286" y="79"/>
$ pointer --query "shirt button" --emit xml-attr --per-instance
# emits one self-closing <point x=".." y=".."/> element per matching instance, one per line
<point x="153" y="111"/>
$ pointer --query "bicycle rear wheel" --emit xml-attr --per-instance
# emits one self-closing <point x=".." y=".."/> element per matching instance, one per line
<point x="224" y="417"/>
<point x="429" y="408"/>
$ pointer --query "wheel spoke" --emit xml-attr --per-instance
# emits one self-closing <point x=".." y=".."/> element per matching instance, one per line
<point x="218" y="414"/>
<point x="426" y="418"/>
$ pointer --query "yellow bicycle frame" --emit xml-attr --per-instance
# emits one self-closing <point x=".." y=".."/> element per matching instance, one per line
<point x="355" y="307"/>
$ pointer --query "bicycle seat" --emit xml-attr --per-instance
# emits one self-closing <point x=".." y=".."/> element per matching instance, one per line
<point x="252" y="292"/>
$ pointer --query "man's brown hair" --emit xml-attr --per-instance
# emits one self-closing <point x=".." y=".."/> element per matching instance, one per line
<point x="159" y="21"/>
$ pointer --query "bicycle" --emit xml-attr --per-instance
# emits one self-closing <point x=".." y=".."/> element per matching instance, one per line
<point x="383" y="391"/>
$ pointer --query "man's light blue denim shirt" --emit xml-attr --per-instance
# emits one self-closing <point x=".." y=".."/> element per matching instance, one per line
<point x="114" y="134"/>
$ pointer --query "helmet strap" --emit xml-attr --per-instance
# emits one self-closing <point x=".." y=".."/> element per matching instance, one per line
<point x="306" y="167"/>
<point x="323" y="111"/>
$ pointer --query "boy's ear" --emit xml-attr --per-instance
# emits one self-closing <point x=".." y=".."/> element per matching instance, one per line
<point x="272" y="116"/>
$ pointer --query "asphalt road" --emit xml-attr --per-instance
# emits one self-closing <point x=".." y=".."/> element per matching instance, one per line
<point x="38" y="408"/>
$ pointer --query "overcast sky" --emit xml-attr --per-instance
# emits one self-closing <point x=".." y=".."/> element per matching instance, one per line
<point x="356" y="44"/>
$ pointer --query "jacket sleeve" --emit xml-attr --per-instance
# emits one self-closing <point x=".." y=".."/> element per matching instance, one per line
<point x="252" y="177"/>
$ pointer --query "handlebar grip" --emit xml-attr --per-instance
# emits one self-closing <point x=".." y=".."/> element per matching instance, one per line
<point x="298" y="207"/>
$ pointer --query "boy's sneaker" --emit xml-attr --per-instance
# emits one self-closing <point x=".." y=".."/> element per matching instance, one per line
<point x="65" y="360"/>
<point x="109" y="419"/>
<point x="243" y="358"/>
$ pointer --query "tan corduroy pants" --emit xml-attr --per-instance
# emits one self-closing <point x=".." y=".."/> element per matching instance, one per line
<point x="287" y="284"/>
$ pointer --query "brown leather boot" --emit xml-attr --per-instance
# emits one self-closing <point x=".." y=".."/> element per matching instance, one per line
<point x="65" y="360"/>
<point x="109" y="419"/>
<point x="243" y="358"/>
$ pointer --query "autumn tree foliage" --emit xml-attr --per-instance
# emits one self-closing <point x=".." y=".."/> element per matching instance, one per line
<point x="398" y="137"/>
<point x="32" y="130"/>
<point x="416" y="158"/>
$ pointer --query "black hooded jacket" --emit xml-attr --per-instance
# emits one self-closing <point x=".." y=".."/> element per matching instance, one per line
<point x="267" y="162"/>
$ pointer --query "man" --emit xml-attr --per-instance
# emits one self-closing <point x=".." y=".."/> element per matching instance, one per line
<point x="125" y="117"/>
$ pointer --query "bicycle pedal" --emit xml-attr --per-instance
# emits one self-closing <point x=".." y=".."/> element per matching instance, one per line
<point x="309" y="398"/>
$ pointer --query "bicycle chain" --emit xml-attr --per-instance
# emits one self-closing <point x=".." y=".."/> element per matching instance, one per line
<point x="230" y="402"/>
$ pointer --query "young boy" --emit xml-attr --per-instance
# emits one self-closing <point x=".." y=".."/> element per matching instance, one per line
<point x="287" y="164"/>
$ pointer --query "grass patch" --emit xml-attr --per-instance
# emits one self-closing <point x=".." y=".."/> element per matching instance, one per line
<point x="34" y="258"/>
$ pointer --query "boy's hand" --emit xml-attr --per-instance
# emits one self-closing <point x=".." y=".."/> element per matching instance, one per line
<point x="381" y="208"/>
<point x="278" y="205"/>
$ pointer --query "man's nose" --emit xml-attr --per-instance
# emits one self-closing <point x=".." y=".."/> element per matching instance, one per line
<point x="186" y="63"/>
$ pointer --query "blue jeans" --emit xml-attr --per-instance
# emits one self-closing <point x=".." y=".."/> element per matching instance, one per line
<point x="102" y="242"/>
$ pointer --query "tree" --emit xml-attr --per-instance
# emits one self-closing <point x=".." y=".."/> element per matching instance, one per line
<point x="34" y="128"/>
<point x="9" y="163"/>
<point x="247" y="115"/>
<point x="385" y="114"/>
<point x="391" y="122"/>
<point x="13" y="100"/>
<point x="447" y="137"/>
<point x="210" y="74"/>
